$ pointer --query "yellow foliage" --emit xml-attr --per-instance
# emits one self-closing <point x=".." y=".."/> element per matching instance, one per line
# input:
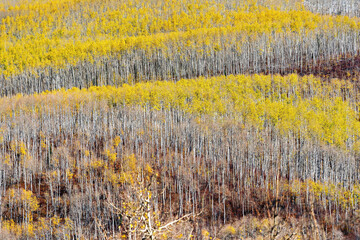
<point x="12" y="227"/>
<point x="69" y="174"/>
<point x="131" y="163"/>
<point x="25" y="204"/>
<point x="282" y="101"/>
<point x="149" y="169"/>
<point x="55" y="220"/>
<point x="336" y="193"/>
<point x="205" y="234"/>
<point x="38" y="34"/>
<point x="229" y="230"/>
<point x="97" y="163"/>
<point x="116" y="141"/>
<point x="29" y="200"/>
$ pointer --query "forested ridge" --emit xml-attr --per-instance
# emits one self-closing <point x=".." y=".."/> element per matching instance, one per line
<point x="184" y="119"/>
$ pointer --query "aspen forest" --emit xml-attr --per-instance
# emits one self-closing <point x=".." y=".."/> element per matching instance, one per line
<point x="180" y="119"/>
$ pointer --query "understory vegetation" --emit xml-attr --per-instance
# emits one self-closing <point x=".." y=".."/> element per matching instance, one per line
<point x="184" y="119"/>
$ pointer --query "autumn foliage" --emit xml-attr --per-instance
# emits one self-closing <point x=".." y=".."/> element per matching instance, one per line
<point x="184" y="119"/>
